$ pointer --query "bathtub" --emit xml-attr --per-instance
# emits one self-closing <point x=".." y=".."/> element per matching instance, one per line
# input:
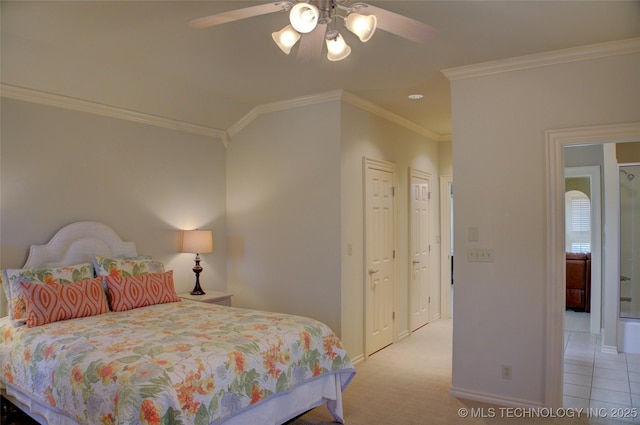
<point x="629" y="336"/>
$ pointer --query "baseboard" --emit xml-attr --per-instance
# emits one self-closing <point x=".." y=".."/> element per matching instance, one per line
<point x="357" y="359"/>
<point x="404" y="334"/>
<point x="493" y="398"/>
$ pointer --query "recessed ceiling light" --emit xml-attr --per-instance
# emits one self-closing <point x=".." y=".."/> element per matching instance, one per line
<point x="415" y="96"/>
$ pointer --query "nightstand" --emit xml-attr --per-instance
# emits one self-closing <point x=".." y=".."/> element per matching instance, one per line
<point x="211" y="296"/>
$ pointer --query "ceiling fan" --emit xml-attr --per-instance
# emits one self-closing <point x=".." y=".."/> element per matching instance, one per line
<point x="313" y="21"/>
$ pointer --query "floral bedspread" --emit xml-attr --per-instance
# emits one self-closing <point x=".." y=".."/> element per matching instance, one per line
<point x="180" y="363"/>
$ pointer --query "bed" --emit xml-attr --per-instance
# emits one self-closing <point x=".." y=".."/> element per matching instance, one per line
<point x="158" y="361"/>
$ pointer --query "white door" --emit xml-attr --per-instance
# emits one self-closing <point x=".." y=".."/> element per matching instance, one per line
<point x="420" y="223"/>
<point x="380" y="253"/>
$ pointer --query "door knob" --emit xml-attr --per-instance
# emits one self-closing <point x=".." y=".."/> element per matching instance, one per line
<point x="372" y="271"/>
<point x="415" y="261"/>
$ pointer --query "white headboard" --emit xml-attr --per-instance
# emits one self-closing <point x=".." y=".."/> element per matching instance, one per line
<point x="78" y="243"/>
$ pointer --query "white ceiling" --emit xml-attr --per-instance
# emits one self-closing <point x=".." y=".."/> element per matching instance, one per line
<point x="142" y="56"/>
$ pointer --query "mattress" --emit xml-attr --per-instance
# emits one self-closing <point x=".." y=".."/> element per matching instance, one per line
<point x="183" y="362"/>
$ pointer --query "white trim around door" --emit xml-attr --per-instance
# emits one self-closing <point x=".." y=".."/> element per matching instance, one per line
<point x="446" y="250"/>
<point x="556" y="141"/>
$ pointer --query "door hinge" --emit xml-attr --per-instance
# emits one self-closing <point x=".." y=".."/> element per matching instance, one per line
<point x="394" y="254"/>
<point x="393" y="191"/>
<point x="429" y="195"/>
<point x="393" y="315"/>
<point x="429" y="299"/>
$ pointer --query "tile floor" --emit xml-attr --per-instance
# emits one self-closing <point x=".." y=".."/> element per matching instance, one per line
<point x="599" y="380"/>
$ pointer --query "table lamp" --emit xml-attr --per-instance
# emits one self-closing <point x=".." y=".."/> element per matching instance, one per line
<point x="197" y="242"/>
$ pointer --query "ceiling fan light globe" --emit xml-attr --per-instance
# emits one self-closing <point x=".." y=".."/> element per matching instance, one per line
<point x="286" y="38"/>
<point x="337" y="49"/>
<point x="364" y="26"/>
<point x="304" y="17"/>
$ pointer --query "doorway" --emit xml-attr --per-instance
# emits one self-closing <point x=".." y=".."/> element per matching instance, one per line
<point x="574" y="178"/>
<point x="446" y="246"/>
<point x="557" y="141"/>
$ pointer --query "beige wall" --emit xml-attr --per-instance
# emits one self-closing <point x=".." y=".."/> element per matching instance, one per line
<point x="445" y="163"/>
<point x="582" y="184"/>
<point x="499" y="122"/>
<point x="283" y="203"/>
<point x="285" y="198"/>
<point x="628" y="152"/>
<point x="370" y="136"/>
<point x="147" y="183"/>
<point x="295" y="205"/>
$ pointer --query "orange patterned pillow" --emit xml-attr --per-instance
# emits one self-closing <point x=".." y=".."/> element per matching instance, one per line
<point x="54" y="302"/>
<point x="129" y="292"/>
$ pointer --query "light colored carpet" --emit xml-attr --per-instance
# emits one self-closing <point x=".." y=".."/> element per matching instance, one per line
<point x="408" y="383"/>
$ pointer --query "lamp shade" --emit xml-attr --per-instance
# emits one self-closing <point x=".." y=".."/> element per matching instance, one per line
<point x="304" y="17"/>
<point x="361" y="25"/>
<point x="197" y="241"/>
<point x="286" y="38"/>
<point x="337" y="49"/>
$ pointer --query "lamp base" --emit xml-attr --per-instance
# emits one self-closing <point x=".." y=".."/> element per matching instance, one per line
<point x="197" y="290"/>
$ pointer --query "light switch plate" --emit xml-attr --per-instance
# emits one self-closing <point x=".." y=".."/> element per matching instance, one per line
<point x="474" y="234"/>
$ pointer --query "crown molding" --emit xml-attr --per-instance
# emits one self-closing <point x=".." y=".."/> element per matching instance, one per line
<point x="446" y="138"/>
<point x="368" y="106"/>
<point x="282" y="105"/>
<point x="59" y="101"/>
<point x="593" y="51"/>
<point x="36" y="96"/>
<point x="330" y="96"/>
<point x="624" y="132"/>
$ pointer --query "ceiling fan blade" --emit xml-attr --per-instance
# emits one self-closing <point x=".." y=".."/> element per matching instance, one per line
<point x="237" y="14"/>
<point x="400" y="25"/>
<point x="311" y="43"/>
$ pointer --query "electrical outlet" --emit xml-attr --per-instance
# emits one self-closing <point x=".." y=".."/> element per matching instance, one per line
<point x="506" y="371"/>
